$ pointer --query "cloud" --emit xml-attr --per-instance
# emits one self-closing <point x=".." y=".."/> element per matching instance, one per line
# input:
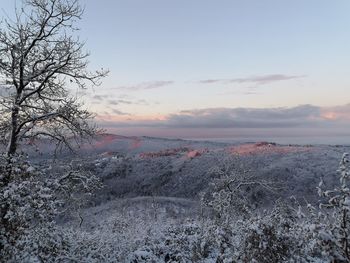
<point x="113" y="112"/>
<point x="257" y="80"/>
<point x="120" y="101"/>
<point x="128" y="102"/>
<point x="118" y="112"/>
<point x="244" y="117"/>
<point x="336" y="113"/>
<point x="303" y="116"/>
<point x="100" y="97"/>
<point x="108" y="99"/>
<point x="110" y="113"/>
<point x="147" y="85"/>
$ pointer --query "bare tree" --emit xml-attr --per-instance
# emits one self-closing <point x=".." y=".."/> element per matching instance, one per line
<point x="40" y="62"/>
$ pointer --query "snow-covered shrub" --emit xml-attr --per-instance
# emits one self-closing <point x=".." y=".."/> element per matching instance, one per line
<point x="227" y="195"/>
<point x="302" y="234"/>
<point x="31" y="198"/>
<point x="334" y="229"/>
<point x="188" y="242"/>
<point x="268" y="237"/>
<point x="44" y="243"/>
<point x="281" y="234"/>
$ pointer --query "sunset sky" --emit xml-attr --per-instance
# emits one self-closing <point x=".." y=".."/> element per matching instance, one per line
<point x="200" y="68"/>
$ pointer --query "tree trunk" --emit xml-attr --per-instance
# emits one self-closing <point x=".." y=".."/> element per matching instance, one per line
<point x="12" y="144"/>
<point x="11" y="150"/>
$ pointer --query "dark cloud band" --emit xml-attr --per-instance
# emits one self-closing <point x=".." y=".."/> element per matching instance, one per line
<point x="300" y="116"/>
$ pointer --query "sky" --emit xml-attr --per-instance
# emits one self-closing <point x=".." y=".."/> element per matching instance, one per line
<point x="206" y="69"/>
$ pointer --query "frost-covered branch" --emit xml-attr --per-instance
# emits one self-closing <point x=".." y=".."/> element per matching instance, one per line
<point x="39" y="62"/>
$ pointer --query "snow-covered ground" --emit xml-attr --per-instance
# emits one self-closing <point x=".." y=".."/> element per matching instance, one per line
<point x="152" y="206"/>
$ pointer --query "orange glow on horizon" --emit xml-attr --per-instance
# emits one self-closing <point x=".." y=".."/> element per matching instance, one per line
<point x="330" y="116"/>
<point x="334" y="114"/>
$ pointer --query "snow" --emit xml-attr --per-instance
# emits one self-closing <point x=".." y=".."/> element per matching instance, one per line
<point x="168" y="201"/>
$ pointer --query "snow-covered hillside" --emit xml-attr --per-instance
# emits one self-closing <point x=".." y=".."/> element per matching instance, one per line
<point x="166" y="200"/>
<point x="131" y="167"/>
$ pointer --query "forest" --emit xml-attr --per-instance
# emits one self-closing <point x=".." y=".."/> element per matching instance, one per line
<point x="71" y="192"/>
